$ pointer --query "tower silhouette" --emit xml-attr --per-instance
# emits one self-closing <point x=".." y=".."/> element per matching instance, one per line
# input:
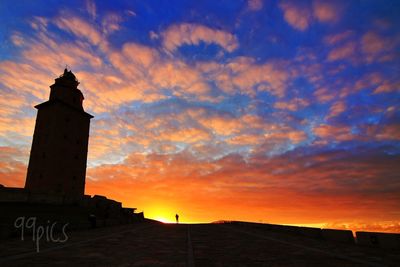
<point x="57" y="163"/>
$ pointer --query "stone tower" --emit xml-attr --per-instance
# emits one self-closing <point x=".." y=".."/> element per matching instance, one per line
<point x="57" y="163"/>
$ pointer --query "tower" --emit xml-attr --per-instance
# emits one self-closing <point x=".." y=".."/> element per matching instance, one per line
<point x="57" y="163"/>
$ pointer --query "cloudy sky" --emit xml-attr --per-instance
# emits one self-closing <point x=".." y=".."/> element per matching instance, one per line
<point x="274" y="111"/>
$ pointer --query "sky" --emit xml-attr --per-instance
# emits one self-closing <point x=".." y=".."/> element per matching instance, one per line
<point x="266" y="111"/>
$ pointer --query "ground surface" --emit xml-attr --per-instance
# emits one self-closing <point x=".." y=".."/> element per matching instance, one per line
<point x="150" y="244"/>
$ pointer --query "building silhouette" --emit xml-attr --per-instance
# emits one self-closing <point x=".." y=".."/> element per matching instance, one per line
<point x="57" y="163"/>
<point x="55" y="182"/>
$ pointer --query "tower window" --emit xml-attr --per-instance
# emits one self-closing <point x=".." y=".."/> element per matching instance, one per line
<point x="74" y="178"/>
<point x="43" y="155"/>
<point x="67" y="119"/>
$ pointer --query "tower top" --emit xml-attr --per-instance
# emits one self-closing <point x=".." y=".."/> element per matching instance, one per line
<point x="67" y="79"/>
<point x="69" y="75"/>
<point x="65" y="90"/>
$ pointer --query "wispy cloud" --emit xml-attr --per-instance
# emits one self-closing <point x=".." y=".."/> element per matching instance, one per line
<point x="345" y="51"/>
<point x="79" y="27"/>
<point x="192" y="34"/>
<point x="336" y="109"/>
<point x="298" y="16"/>
<point x="327" y="11"/>
<point x="91" y="8"/>
<point x="255" y="4"/>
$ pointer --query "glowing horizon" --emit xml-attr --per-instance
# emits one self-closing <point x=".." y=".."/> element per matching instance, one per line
<point x="273" y="111"/>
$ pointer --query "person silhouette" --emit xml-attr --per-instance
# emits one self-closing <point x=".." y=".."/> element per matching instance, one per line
<point x="177" y="218"/>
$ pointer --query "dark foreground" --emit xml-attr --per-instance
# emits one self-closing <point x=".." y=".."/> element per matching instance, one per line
<point x="153" y="244"/>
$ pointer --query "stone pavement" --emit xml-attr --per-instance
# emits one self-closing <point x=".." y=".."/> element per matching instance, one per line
<point x="152" y="244"/>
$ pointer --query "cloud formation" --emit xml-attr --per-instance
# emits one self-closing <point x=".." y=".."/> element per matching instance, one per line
<point x="255" y="5"/>
<point x="300" y="15"/>
<point x="327" y="11"/>
<point x="192" y="34"/>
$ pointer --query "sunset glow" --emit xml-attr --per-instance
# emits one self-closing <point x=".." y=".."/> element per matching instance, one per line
<point x="267" y="111"/>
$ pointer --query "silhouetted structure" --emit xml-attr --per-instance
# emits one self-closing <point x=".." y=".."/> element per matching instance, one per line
<point x="57" y="163"/>
<point x="55" y="182"/>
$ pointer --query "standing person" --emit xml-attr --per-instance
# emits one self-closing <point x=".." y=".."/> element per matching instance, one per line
<point x="177" y="218"/>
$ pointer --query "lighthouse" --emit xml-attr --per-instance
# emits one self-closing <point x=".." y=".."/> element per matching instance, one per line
<point x="58" y="158"/>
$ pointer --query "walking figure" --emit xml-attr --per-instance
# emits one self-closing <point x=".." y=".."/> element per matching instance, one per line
<point x="177" y="218"/>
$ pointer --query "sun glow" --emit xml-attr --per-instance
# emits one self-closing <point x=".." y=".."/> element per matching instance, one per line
<point x="163" y="220"/>
<point x="161" y="213"/>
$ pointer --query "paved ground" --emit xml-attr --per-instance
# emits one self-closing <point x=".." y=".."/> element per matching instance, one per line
<point x="188" y="245"/>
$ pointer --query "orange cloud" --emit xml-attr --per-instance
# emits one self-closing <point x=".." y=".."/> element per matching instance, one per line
<point x="188" y="135"/>
<point x="111" y="23"/>
<point x="24" y="79"/>
<point x="292" y="105"/>
<point x="39" y="23"/>
<point x="345" y="51"/>
<point x="11" y="104"/>
<point x="326" y="11"/>
<point x="336" y="109"/>
<point x="368" y="80"/>
<point x="390" y="132"/>
<point x="324" y="95"/>
<point x="80" y="28"/>
<point x="17" y="39"/>
<point x="193" y="34"/>
<point x="245" y="139"/>
<point x="377" y="47"/>
<point x="383" y="132"/>
<point x="24" y="127"/>
<point x="244" y="75"/>
<point x="337" y="38"/>
<point x="339" y="133"/>
<point x="270" y="77"/>
<point x="146" y="74"/>
<point x="286" y="133"/>
<point x="299" y="17"/>
<point x="387" y="87"/>
<point x="13" y="166"/>
<point x="222" y="125"/>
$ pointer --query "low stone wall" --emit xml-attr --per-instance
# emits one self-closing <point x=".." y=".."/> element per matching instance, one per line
<point x="10" y="194"/>
<point x="372" y="239"/>
<point x="83" y="213"/>
<point x="383" y="240"/>
<point x="311" y="232"/>
<point x="342" y="236"/>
